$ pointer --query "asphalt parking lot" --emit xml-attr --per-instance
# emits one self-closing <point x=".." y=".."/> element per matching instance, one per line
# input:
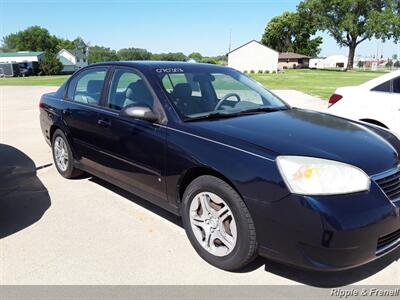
<point x="58" y="231"/>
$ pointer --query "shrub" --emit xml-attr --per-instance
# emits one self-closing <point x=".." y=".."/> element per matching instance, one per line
<point x="51" y="64"/>
<point x="397" y="64"/>
<point x="274" y="72"/>
<point x="245" y="72"/>
<point x="266" y="72"/>
<point x="260" y="71"/>
<point x="252" y="72"/>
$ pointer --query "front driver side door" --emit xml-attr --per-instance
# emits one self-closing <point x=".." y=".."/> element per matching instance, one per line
<point x="135" y="148"/>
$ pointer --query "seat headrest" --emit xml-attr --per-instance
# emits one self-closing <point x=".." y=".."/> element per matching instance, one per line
<point x="94" y="86"/>
<point x="130" y="91"/>
<point x="138" y="91"/>
<point x="182" y="90"/>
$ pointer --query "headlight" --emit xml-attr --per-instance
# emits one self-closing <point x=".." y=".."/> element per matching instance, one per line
<point x="315" y="176"/>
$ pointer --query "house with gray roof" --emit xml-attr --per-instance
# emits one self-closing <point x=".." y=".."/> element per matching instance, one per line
<point x="291" y="60"/>
<point x="72" y="60"/>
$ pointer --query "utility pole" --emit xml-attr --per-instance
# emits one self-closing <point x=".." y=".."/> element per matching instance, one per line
<point x="230" y="40"/>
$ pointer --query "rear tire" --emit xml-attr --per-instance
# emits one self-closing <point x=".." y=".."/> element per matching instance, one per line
<point x="63" y="157"/>
<point x="218" y="223"/>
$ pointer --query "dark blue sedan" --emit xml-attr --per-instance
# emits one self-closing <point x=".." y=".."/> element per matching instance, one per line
<point x="247" y="173"/>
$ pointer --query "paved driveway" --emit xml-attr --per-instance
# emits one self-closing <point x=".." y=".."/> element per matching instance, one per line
<point x="57" y="231"/>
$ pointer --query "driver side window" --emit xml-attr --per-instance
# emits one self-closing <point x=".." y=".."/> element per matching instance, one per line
<point x="128" y="88"/>
<point x="224" y="85"/>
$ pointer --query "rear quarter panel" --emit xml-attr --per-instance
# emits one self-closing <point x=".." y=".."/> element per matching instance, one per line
<point x="50" y="115"/>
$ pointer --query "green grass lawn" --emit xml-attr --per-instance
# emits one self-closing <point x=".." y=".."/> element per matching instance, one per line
<point x="320" y="83"/>
<point x="34" y="80"/>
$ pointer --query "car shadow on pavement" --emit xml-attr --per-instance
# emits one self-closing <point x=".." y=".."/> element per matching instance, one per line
<point x="308" y="277"/>
<point x="139" y="201"/>
<point x="23" y="197"/>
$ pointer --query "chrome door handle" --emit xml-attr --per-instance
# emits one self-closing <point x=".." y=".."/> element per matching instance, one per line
<point x="66" y="112"/>
<point x="104" y="123"/>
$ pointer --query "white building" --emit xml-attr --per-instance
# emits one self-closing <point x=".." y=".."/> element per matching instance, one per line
<point x="21" y="56"/>
<point x="72" y="60"/>
<point x="334" y="61"/>
<point x="316" y="63"/>
<point x="253" y="56"/>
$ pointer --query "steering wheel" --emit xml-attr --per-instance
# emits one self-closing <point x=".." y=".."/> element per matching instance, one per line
<point x="227" y="96"/>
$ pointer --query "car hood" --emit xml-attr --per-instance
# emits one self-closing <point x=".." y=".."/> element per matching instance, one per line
<point x="306" y="133"/>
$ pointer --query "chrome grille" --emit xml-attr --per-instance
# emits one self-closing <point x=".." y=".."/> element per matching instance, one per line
<point x="391" y="186"/>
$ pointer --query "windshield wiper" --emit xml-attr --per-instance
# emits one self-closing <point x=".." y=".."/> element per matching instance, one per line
<point x="213" y="115"/>
<point x="261" y="109"/>
<point x="221" y="115"/>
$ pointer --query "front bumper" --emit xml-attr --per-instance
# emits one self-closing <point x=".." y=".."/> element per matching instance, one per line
<point x="327" y="232"/>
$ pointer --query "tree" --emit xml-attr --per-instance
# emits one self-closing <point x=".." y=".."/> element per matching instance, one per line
<point x="351" y="22"/>
<point x="360" y="64"/>
<point x="210" y="60"/>
<point x="133" y="54"/>
<point x="79" y="44"/>
<point x="394" y="56"/>
<point x="65" y="44"/>
<point x="179" y="56"/>
<point x="196" y="56"/>
<point x="34" y="38"/>
<point x="100" y="54"/>
<point x="292" y="32"/>
<point x="51" y="64"/>
<point x="397" y="64"/>
<point x="389" y="63"/>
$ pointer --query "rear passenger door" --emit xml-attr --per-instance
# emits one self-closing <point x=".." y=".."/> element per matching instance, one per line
<point x="81" y="113"/>
<point x="135" y="149"/>
<point x="387" y="103"/>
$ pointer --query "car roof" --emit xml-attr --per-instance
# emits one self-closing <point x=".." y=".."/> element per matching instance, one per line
<point x="381" y="79"/>
<point x="151" y="64"/>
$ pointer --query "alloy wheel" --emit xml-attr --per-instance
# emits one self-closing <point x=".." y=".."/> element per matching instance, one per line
<point x="213" y="224"/>
<point x="61" y="154"/>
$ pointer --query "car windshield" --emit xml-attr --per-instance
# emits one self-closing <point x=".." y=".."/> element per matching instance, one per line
<point x="227" y="93"/>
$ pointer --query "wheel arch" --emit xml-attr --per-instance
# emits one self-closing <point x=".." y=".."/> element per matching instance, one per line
<point x="191" y="174"/>
<point x="53" y="129"/>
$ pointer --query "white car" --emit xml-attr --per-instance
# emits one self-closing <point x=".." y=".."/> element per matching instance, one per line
<point x="376" y="101"/>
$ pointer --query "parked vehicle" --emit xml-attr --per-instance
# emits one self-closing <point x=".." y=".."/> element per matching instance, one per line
<point x="9" y="70"/>
<point x="29" y="68"/>
<point x="248" y="174"/>
<point x="24" y="72"/>
<point x="376" y="101"/>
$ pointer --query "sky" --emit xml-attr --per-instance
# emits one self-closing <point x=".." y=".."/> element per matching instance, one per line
<point x="162" y="26"/>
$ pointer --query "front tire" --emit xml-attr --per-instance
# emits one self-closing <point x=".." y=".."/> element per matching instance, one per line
<point x="63" y="157"/>
<point x="218" y="223"/>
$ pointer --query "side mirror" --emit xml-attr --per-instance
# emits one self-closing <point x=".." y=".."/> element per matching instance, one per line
<point x="139" y="112"/>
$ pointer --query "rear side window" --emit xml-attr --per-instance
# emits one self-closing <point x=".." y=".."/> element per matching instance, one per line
<point x="87" y="87"/>
<point x="384" y="87"/>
